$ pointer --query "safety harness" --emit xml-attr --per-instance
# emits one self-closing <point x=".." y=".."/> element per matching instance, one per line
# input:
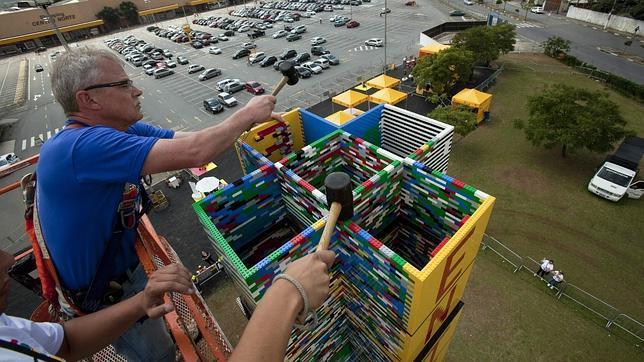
<point x="101" y="291"/>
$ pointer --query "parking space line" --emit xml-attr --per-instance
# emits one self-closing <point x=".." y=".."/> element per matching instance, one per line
<point x="199" y="119"/>
<point x="168" y="119"/>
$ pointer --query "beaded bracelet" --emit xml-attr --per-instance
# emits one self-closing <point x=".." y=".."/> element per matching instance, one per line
<point x="307" y="305"/>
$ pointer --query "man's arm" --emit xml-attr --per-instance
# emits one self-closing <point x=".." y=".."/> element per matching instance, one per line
<point x="267" y="333"/>
<point x="90" y="333"/>
<point x="198" y="148"/>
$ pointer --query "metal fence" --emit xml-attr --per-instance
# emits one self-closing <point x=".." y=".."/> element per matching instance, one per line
<point x="612" y="318"/>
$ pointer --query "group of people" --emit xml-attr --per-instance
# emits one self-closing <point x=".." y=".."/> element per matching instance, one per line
<point x="87" y="202"/>
<point x="546" y="267"/>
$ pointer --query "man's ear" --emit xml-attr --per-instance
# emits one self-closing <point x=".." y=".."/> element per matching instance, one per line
<point x="86" y="100"/>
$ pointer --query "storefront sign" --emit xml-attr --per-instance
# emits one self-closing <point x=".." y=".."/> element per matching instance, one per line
<point x="59" y="18"/>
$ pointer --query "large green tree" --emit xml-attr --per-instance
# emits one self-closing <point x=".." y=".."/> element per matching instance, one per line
<point x="461" y="117"/>
<point x="109" y="15"/>
<point x="443" y="70"/>
<point x="130" y="12"/>
<point x="487" y="43"/>
<point x="555" y="46"/>
<point x="573" y="118"/>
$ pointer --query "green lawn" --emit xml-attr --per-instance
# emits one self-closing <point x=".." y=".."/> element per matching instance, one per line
<point x="544" y="209"/>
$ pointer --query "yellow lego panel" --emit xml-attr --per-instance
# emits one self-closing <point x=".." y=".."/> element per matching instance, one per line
<point x="263" y="137"/>
<point x="434" y="282"/>
<point x="439" y="349"/>
<point x="413" y="344"/>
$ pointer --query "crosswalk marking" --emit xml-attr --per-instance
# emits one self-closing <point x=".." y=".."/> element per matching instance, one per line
<point x="528" y="25"/>
<point x="33" y="141"/>
<point x="24" y="145"/>
<point x="362" y="48"/>
<point x="48" y="134"/>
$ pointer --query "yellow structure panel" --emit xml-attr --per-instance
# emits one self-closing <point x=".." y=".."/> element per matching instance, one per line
<point x="414" y="344"/>
<point x="437" y="278"/>
<point x="439" y="350"/>
<point x="199" y="2"/>
<point x="261" y="137"/>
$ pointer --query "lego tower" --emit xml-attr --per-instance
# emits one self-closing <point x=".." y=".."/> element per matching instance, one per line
<point x="403" y="259"/>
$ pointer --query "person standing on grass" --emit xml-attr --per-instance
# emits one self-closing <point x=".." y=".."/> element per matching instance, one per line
<point x="545" y="267"/>
<point x="556" y="279"/>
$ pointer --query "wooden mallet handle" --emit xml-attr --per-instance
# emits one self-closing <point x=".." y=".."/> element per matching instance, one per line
<point x="336" y="207"/>
<point x="279" y="86"/>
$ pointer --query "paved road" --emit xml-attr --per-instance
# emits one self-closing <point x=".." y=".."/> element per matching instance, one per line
<point x="586" y="39"/>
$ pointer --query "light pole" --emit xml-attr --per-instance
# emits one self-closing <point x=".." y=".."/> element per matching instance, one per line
<point x="147" y="2"/>
<point x="610" y="14"/>
<point x="52" y="18"/>
<point x="385" y="40"/>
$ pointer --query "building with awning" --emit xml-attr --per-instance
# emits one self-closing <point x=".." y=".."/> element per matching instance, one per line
<point x="432" y="49"/>
<point x="159" y="10"/>
<point x="479" y="101"/>
<point x="383" y="81"/>
<point x="44" y="33"/>
<point x="388" y="96"/>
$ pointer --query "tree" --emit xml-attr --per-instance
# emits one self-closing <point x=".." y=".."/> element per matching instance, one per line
<point x="130" y="12"/>
<point x="461" y="117"/>
<point x="110" y="16"/>
<point x="555" y="46"/>
<point x="443" y="70"/>
<point x="487" y="43"/>
<point x="573" y="118"/>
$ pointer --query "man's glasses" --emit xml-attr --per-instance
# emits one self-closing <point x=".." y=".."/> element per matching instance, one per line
<point x="121" y="83"/>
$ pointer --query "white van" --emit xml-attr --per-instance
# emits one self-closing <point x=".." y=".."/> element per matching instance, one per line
<point x="324" y="63"/>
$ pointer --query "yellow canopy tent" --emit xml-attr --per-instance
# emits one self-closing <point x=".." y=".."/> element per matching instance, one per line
<point x="349" y="98"/>
<point x="383" y="81"/>
<point x="387" y="95"/>
<point x="431" y="49"/>
<point x="340" y="117"/>
<point x="475" y="99"/>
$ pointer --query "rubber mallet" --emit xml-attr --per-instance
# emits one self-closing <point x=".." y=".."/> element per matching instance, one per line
<point x="339" y="198"/>
<point x="290" y="76"/>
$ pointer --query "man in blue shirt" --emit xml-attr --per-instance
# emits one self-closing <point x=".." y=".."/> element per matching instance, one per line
<point x="83" y="170"/>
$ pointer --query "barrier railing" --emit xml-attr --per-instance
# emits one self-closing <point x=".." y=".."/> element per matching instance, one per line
<point x="613" y="319"/>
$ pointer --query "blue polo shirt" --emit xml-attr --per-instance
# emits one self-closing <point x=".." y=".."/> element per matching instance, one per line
<point x="81" y="175"/>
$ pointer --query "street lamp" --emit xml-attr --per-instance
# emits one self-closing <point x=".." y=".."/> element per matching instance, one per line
<point x="52" y="18"/>
<point x="147" y="2"/>
<point x="385" y="40"/>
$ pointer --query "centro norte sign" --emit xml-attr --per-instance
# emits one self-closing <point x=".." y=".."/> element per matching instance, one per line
<point x="58" y="17"/>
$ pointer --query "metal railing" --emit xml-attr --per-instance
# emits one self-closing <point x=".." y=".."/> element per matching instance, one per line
<point x="613" y="319"/>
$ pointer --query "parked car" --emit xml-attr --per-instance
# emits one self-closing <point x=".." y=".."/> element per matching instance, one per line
<point x="197" y="44"/>
<point x="322" y="63"/>
<point x="166" y="53"/>
<point x="182" y="60"/>
<point x="319" y="50"/>
<point x="254" y="87"/>
<point x="288" y="54"/>
<point x="353" y="24"/>
<point x="257" y="57"/>
<point x="340" y="22"/>
<point x="227" y="99"/>
<point x="536" y="10"/>
<point x="333" y="60"/>
<point x="7" y="160"/>
<point x="300" y="29"/>
<point x="374" y="42"/>
<point x="194" y="68"/>
<point x="268" y="61"/>
<point x="162" y="72"/>
<point x="214" y="50"/>
<point x="456" y="13"/>
<point x="293" y="37"/>
<point x="209" y="73"/>
<point x="280" y="34"/>
<point x="318" y="40"/>
<point x="303" y="72"/>
<point x="316" y="69"/>
<point x="241" y="53"/>
<point x="233" y="87"/>
<point x="170" y="64"/>
<point x="38" y="68"/>
<point x="301" y="58"/>
<point x="229" y="33"/>
<point x="222" y="37"/>
<point x="222" y="83"/>
<point x="213" y="105"/>
<point x="249" y="45"/>
<point x="385" y="11"/>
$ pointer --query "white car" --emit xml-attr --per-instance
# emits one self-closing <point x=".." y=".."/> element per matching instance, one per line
<point x="257" y="57"/>
<point x="374" y="42"/>
<point x="244" y="29"/>
<point x="322" y="63"/>
<point x="227" y="99"/>
<point x="222" y="37"/>
<point x="7" y="160"/>
<point x="536" y="10"/>
<point x="268" y="25"/>
<point x="318" y="40"/>
<point x="316" y="69"/>
<point x="214" y="50"/>
<point x="249" y="45"/>
<point x="468" y="2"/>
<point x="222" y="83"/>
<point x="280" y="34"/>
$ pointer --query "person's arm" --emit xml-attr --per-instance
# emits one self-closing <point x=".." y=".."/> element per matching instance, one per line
<point x="90" y="333"/>
<point x="267" y="333"/>
<point x="198" y="148"/>
<point x="180" y="134"/>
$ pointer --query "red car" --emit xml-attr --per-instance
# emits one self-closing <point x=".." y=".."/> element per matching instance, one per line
<point x="254" y="87"/>
<point x="353" y="24"/>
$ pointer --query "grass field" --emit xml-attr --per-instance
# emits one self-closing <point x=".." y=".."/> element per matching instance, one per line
<point x="544" y="209"/>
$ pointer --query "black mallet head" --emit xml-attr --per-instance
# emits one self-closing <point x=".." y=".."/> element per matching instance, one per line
<point x="289" y="76"/>
<point x="338" y="189"/>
